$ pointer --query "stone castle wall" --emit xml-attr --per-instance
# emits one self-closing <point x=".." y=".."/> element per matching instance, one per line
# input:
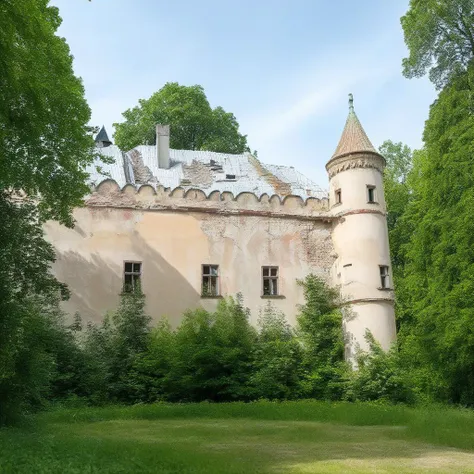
<point x="174" y="232"/>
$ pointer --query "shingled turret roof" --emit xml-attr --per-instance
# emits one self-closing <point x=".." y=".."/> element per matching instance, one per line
<point x="103" y="137"/>
<point x="353" y="139"/>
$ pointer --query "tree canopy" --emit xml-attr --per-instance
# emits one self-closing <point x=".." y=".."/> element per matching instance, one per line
<point x="194" y="124"/>
<point x="44" y="139"/>
<point x="440" y="38"/>
<point x="45" y="144"/>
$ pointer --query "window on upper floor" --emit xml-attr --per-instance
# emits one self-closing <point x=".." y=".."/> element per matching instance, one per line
<point x="384" y="277"/>
<point x="338" y="196"/>
<point x="210" y="280"/>
<point x="132" y="275"/>
<point x="270" y="277"/>
<point x="371" y="194"/>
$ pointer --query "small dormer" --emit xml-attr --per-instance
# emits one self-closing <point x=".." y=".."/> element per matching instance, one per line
<point x="102" y="139"/>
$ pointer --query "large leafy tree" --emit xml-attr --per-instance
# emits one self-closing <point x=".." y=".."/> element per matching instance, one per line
<point x="439" y="272"/>
<point x="194" y="124"/>
<point x="44" y="144"/>
<point x="440" y="38"/>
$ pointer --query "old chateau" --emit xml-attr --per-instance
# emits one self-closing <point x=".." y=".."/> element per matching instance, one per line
<point x="194" y="226"/>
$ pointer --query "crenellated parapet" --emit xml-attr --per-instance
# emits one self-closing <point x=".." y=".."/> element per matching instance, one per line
<point x="109" y="194"/>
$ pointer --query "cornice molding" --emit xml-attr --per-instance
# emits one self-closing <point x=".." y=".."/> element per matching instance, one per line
<point x="353" y="161"/>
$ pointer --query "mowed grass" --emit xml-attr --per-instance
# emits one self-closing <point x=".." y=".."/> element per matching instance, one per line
<point x="263" y="437"/>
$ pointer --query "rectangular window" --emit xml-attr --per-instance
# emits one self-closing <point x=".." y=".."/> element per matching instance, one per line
<point x="338" y="196"/>
<point x="210" y="280"/>
<point x="270" y="281"/>
<point x="371" y="194"/>
<point x="132" y="274"/>
<point x="384" y="277"/>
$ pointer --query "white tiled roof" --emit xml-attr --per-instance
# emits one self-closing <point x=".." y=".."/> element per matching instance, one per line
<point x="258" y="179"/>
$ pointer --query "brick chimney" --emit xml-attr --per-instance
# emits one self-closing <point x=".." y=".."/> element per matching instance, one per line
<point x="163" y="146"/>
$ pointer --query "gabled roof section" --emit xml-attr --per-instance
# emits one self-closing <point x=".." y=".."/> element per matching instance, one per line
<point x="102" y="136"/>
<point x="353" y="139"/>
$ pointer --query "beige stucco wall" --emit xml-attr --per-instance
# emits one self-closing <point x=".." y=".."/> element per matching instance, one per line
<point x="172" y="244"/>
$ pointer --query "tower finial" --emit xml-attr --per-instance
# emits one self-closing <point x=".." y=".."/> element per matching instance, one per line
<point x="351" y="103"/>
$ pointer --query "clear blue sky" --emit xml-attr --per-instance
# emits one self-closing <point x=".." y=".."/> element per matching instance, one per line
<point x="283" y="67"/>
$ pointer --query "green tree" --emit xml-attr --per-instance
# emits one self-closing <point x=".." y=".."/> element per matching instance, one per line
<point x="194" y="124"/>
<point x="45" y="145"/>
<point x="320" y="330"/>
<point x="44" y="139"/>
<point x="152" y="369"/>
<point x="214" y="354"/>
<point x="113" y="348"/>
<point x="439" y="273"/>
<point x="26" y="290"/>
<point x="380" y="375"/>
<point x="277" y="366"/>
<point x="440" y="39"/>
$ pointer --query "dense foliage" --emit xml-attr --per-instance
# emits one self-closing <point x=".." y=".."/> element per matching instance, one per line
<point x="194" y="124"/>
<point x="45" y="145"/>
<point x="44" y="139"/>
<point x="215" y="356"/>
<point x="440" y="39"/>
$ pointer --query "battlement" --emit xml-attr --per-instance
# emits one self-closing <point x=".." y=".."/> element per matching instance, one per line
<point x="109" y="194"/>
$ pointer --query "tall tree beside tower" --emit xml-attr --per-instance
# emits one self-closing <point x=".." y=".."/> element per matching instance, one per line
<point x="439" y="258"/>
<point x="440" y="39"/>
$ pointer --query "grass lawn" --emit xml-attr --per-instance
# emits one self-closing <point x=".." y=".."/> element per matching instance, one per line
<point x="264" y="437"/>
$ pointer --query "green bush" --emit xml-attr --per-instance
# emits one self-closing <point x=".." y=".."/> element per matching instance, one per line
<point x="151" y="370"/>
<point x="111" y="351"/>
<point x="214" y="353"/>
<point x="277" y="366"/>
<point x="320" y="330"/>
<point x="380" y="376"/>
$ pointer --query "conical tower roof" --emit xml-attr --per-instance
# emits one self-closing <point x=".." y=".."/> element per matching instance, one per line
<point x="103" y="137"/>
<point x="353" y="139"/>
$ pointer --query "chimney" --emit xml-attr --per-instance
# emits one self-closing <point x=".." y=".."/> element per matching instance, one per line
<point x="163" y="146"/>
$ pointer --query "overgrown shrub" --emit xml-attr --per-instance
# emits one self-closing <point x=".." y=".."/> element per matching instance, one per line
<point x="151" y="371"/>
<point x="380" y="376"/>
<point x="214" y="353"/>
<point x="29" y="296"/>
<point x="277" y="365"/>
<point x="112" y="348"/>
<point x="320" y="330"/>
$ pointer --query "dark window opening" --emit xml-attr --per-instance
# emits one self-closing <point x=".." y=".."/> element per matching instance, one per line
<point x="230" y="176"/>
<point x="384" y="277"/>
<point x="132" y="275"/>
<point x="270" y="281"/>
<point x="371" y="194"/>
<point x="338" y="195"/>
<point x="210" y="280"/>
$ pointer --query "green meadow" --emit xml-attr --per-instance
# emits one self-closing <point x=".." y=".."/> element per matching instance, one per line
<point x="261" y="437"/>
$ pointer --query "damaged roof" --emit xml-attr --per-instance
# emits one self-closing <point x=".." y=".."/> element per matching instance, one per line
<point x="204" y="170"/>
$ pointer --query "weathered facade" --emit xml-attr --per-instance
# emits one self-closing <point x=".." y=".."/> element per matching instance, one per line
<point x="193" y="226"/>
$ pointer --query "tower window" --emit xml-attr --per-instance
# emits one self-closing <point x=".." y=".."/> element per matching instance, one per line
<point x="384" y="277"/>
<point x="338" y="196"/>
<point x="210" y="280"/>
<point x="371" y="196"/>
<point x="270" y="281"/>
<point x="132" y="274"/>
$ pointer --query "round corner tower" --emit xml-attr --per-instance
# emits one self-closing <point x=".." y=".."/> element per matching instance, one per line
<point x="360" y="238"/>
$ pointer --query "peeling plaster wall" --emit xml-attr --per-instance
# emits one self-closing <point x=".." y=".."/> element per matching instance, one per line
<point x="173" y="246"/>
